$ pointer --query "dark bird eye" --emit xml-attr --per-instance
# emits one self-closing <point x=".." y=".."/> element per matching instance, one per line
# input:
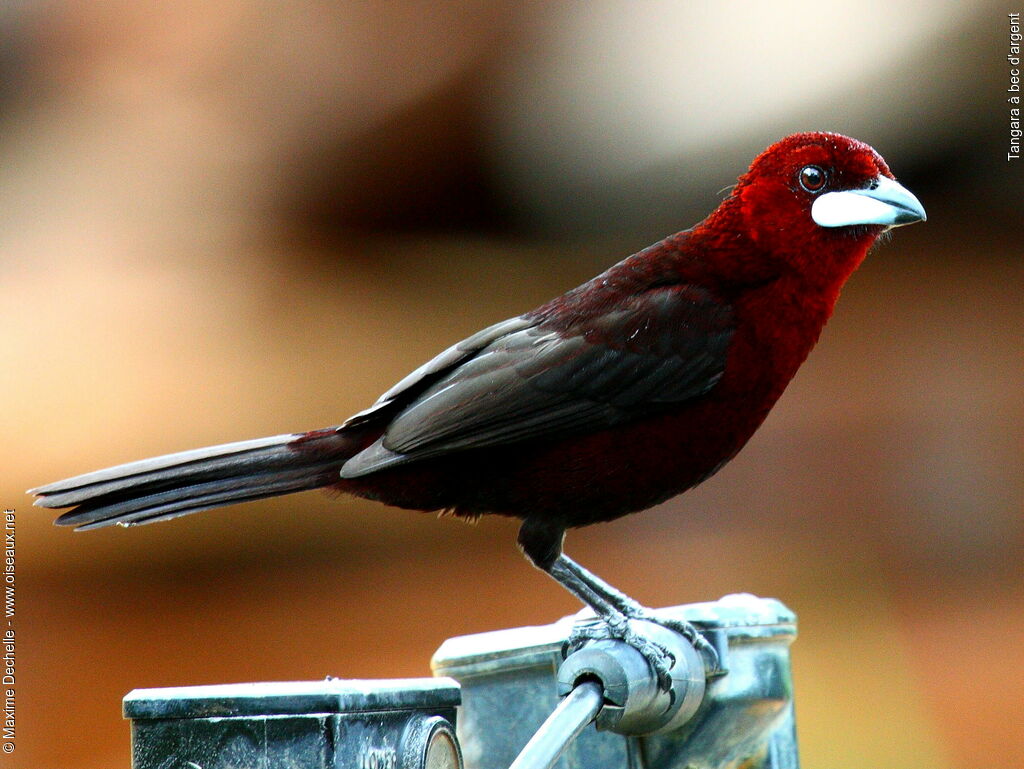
<point x="812" y="178"/>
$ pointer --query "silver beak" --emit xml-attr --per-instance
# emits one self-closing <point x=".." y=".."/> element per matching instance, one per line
<point x="885" y="202"/>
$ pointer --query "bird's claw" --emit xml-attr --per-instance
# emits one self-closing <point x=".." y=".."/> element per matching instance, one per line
<point x="658" y="657"/>
<point x="712" y="663"/>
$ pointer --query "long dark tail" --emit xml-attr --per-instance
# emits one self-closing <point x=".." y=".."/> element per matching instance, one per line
<point x="178" y="484"/>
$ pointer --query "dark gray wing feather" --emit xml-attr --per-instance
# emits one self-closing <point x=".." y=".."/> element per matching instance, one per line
<point x="534" y="379"/>
<point x="414" y="383"/>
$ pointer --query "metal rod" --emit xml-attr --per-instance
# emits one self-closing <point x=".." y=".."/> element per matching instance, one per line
<point x="576" y="710"/>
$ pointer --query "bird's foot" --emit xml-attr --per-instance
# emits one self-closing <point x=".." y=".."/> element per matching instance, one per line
<point x="616" y="611"/>
<point x="617" y="627"/>
<point x="712" y="663"/>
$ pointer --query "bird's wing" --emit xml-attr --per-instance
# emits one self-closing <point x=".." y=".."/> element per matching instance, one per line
<point x="536" y="378"/>
<point x="405" y="391"/>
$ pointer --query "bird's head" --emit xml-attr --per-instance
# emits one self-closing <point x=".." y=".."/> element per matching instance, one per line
<point x="817" y="194"/>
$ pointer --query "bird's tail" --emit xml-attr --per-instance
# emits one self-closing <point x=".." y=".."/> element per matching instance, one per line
<point x="178" y="484"/>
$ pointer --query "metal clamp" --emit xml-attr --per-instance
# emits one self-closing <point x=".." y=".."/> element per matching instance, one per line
<point x="634" y="704"/>
<point x="611" y="684"/>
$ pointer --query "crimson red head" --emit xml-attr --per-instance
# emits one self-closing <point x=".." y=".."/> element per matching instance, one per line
<point x="821" y="193"/>
<point x="850" y="163"/>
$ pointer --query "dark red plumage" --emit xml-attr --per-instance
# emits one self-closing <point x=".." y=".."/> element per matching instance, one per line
<point x="765" y="272"/>
<point x="617" y="395"/>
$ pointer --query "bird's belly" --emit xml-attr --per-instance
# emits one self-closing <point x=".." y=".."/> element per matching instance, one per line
<point x="577" y="480"/>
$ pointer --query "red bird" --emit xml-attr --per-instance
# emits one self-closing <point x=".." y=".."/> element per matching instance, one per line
<point x="611" y="398"/>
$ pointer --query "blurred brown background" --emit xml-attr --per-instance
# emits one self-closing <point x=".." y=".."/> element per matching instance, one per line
<point x="227" y="219"/>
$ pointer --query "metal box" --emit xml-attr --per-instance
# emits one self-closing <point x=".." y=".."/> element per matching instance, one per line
<point x="509" y="687"/>
<point x="330" y="724"/>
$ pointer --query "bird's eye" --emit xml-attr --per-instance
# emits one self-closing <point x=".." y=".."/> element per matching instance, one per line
<point x="812" y="178"/>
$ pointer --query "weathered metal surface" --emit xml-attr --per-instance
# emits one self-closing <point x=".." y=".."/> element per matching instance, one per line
<point x="331" y="724"/>
<point x="745" y="719"/>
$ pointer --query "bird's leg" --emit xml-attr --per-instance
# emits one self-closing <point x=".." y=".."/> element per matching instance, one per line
<point x="615" y="597"/>
<point x="543" y="546"/>
<point x="634" y="610"/>
<point x="614" y="624"/>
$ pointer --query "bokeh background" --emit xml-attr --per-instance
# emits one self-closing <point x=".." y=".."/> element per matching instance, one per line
<point x="220" y="220"/>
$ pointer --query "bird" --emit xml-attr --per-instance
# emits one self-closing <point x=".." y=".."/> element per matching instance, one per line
<point x="617" y="395"/>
